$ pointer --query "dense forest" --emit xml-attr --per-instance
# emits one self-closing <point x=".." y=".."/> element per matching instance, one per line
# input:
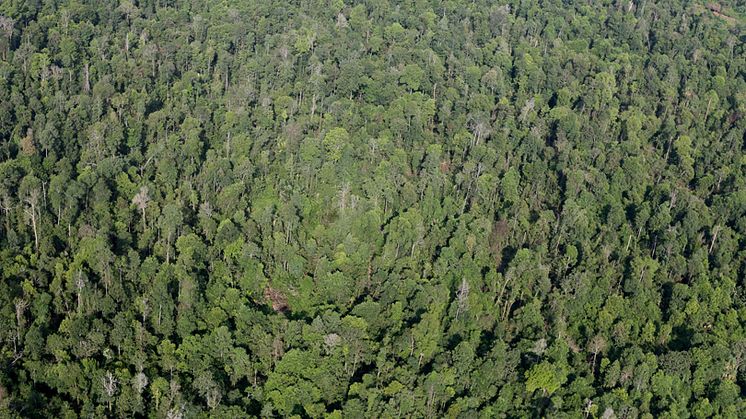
<point x="384" y="209"/>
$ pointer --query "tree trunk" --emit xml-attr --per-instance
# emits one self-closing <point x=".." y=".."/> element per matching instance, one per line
<point x="87" y="84"/>
<point x="714" y="237"/>
<point x="33" y="225"/>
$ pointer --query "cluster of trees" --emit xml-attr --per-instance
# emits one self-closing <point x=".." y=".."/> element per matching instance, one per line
<point x="372" y="209"/>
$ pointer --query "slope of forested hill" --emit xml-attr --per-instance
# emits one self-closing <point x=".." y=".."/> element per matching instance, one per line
<point x="415" y="209"/>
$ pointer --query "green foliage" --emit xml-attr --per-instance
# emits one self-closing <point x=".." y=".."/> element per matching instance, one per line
<point x="543" y="377"/>
<point x="334" y="143"/>
<point x="380" y="209"/>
